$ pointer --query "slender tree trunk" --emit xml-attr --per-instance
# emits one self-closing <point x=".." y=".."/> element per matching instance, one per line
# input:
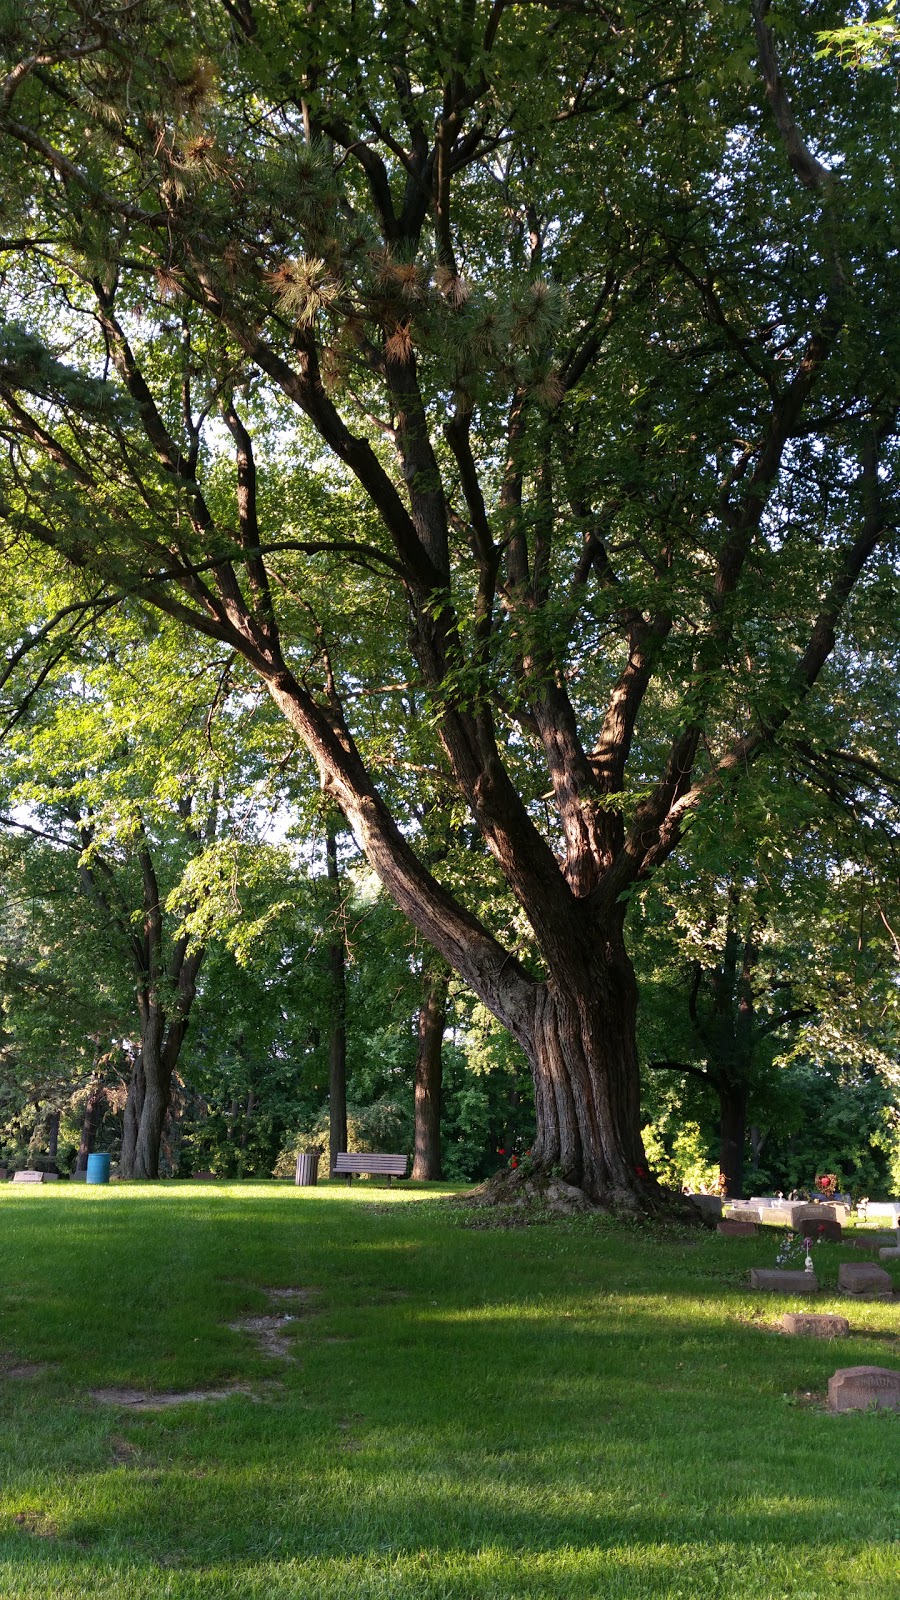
<point x="732" y="1133"/>
<point x="162" y="1036"/>
<point x="134" y="1105"/>
<point x="157" y="1082"/>
<point x="758" y="1138"/>
<point x="52" y="1126"/>
<point x="247" y="1118"/>
<point x="94" y="1109"/>
<point x="429" y="1068"/>
<point x="337" y="1037"/>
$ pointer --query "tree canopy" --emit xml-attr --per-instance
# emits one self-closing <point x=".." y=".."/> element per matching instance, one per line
<point x="514" y="389"/>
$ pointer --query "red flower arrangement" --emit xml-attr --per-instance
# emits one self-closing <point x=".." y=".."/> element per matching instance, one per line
<point x="827" y="1182"/>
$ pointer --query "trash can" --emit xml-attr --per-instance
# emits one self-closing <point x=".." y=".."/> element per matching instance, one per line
<point x="307" y="1168"/>
<point x="98" y="1169"/>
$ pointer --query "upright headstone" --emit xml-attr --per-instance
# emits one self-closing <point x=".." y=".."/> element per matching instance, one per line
<point x="883" y="1211"/>
<point x="864" y="1389"/>
<point x="821" y="1228"/>
<point x="733" y="1229"/>
<point x="709" y="1204"/>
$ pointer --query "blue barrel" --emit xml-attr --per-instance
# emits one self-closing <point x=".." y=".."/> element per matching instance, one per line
<point x="98" y="1169"/>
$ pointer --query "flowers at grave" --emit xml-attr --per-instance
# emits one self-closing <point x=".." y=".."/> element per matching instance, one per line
<point x="720" y="1187"/>
<point x="827" y="1183"/>
<point x="794" y="1250"/>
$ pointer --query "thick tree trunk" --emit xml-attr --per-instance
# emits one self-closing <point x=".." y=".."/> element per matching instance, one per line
<point x="732" y="1134"/>
<point x="429" y="1068"/>
<point x="578" y="1027"/>
<point x="337" y="1034"/>
<point x="583" y="1055"/>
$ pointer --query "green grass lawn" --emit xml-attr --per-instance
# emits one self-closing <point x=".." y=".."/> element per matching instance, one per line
<point x="578" y="1410"/>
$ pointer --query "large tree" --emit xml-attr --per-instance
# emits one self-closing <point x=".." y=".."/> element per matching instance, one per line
<point x="540" y="359"/>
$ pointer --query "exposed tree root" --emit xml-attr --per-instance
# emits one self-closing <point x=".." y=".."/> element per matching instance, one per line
<point x="530" y="1188"/>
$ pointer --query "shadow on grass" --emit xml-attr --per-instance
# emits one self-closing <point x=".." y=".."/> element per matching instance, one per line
<point x="565" y="1412"/>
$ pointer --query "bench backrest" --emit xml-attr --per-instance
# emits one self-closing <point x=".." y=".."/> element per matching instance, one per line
<point x="395" y="1166"/>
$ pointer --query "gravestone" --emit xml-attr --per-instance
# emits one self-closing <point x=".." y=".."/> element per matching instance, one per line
<point x="733" y="1229"/>
<point x="889" y="1252"/>
<point x="26" y="1176"/>
<point x="821" y="1228"/>
<point x="781" y="1216"/>
<point x="862" y="1388"/>
<point x="873" y="1241"/>
<point x="815" y="1326"/>
<point x="741" y="1211"/>
<point x="882" y="1211"/>
<point x="709" y="1204"/>
<point x="780" y="1282"/>
<point x="805" y="1213"/>
<point x="864" y="1280"/>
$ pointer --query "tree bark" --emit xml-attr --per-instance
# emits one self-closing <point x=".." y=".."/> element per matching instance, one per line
<point x="583" y="1053"/>
<point x="161" y="1040"/>
<point x="52" y="1126"/>
<point x="134" y="1105"/>
<point x="429" y="1072"/>
<point x="337" y="1034"/>
<point x="94" y="1109"/>
<point x="732" y="1132"/>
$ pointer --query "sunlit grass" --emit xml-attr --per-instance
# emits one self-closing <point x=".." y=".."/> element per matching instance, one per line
<point x="567" y="1411"/>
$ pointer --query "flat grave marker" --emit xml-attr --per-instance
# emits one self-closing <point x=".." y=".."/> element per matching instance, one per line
<point x="778" y="1281"/>
<point x="864" y="1280"/>
<point x="864" y="1388"/>
<point x="815" y="1326"/>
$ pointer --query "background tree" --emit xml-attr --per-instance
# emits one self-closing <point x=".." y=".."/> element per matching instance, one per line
<point x="116" y="768"/>
<point x="775" y="953"/>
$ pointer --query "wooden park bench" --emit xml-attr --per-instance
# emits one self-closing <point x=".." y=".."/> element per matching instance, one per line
<point x="391" y="1167"/>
